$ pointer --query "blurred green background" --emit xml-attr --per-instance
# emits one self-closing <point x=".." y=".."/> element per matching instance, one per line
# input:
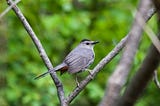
<point x="61" y="25"/>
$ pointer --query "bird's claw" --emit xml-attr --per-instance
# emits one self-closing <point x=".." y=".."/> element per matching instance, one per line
<point x="90" y="72"/>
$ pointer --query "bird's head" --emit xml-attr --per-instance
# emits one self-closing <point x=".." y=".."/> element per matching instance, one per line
<point x="88" y="43"/>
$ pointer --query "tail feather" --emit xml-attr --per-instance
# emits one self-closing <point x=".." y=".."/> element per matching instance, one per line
<point x="42" y="75"/>
<point x="50" y="71"/>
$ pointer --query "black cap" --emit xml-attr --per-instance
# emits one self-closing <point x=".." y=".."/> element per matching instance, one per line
<point x="85" y="40"/>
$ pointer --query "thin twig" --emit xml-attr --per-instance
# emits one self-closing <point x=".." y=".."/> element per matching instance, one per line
<point x="149" y="32"/>
<point x="153" y="37"/>
<point x="9" y="8"/>
<point x="42" y="52"/>
<point x="155" y="79"/>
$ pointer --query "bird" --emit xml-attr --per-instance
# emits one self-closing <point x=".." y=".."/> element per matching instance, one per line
<point x="78" y="60"/>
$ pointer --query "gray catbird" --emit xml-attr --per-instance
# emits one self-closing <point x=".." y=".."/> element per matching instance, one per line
<point x="77" y="60"/>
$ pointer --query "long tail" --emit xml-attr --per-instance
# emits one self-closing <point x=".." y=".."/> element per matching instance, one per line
<point x="50" y="71"/>
<point x="43" y="75"/>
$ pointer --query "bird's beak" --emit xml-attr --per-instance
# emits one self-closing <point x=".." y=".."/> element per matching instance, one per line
<point x="95" y="42"/>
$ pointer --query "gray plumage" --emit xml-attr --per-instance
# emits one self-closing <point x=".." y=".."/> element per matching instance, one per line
<point x="77" y="60"/>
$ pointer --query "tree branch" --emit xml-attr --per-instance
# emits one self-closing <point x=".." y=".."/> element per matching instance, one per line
<point x="41" y="50"/>
<point x="149" y="32"/>
<point x="9" y="8"/>
<point x="145" y="72"/>
<point x="118" y="78"/>
<point x="141" y="79"/>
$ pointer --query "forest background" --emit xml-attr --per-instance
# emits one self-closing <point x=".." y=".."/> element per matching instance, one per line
<point x="61" y="25"/>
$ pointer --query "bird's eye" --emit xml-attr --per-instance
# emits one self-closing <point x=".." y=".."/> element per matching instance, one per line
<point x="87" y="43"/>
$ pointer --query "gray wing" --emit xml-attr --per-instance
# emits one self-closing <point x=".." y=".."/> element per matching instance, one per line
<point x="78" y="62"/>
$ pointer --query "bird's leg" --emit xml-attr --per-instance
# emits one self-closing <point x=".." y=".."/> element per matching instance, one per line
<point x="90" y="72"/>
<point x="77" y="80"/>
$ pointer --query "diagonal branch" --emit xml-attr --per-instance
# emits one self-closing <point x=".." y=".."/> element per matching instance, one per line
<point x="141" y="78"/>
<point x="9" y="8"/>
<point x="41" y="50"/>
<point x="145" y="72"/>
<point x="149" y="32"/>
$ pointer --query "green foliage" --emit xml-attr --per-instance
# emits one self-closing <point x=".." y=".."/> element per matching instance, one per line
<point x="60" y="25"/>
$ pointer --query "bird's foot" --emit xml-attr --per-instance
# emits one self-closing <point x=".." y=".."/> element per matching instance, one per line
<point x="90" y="72"/>
<point x="77" y="82"/>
